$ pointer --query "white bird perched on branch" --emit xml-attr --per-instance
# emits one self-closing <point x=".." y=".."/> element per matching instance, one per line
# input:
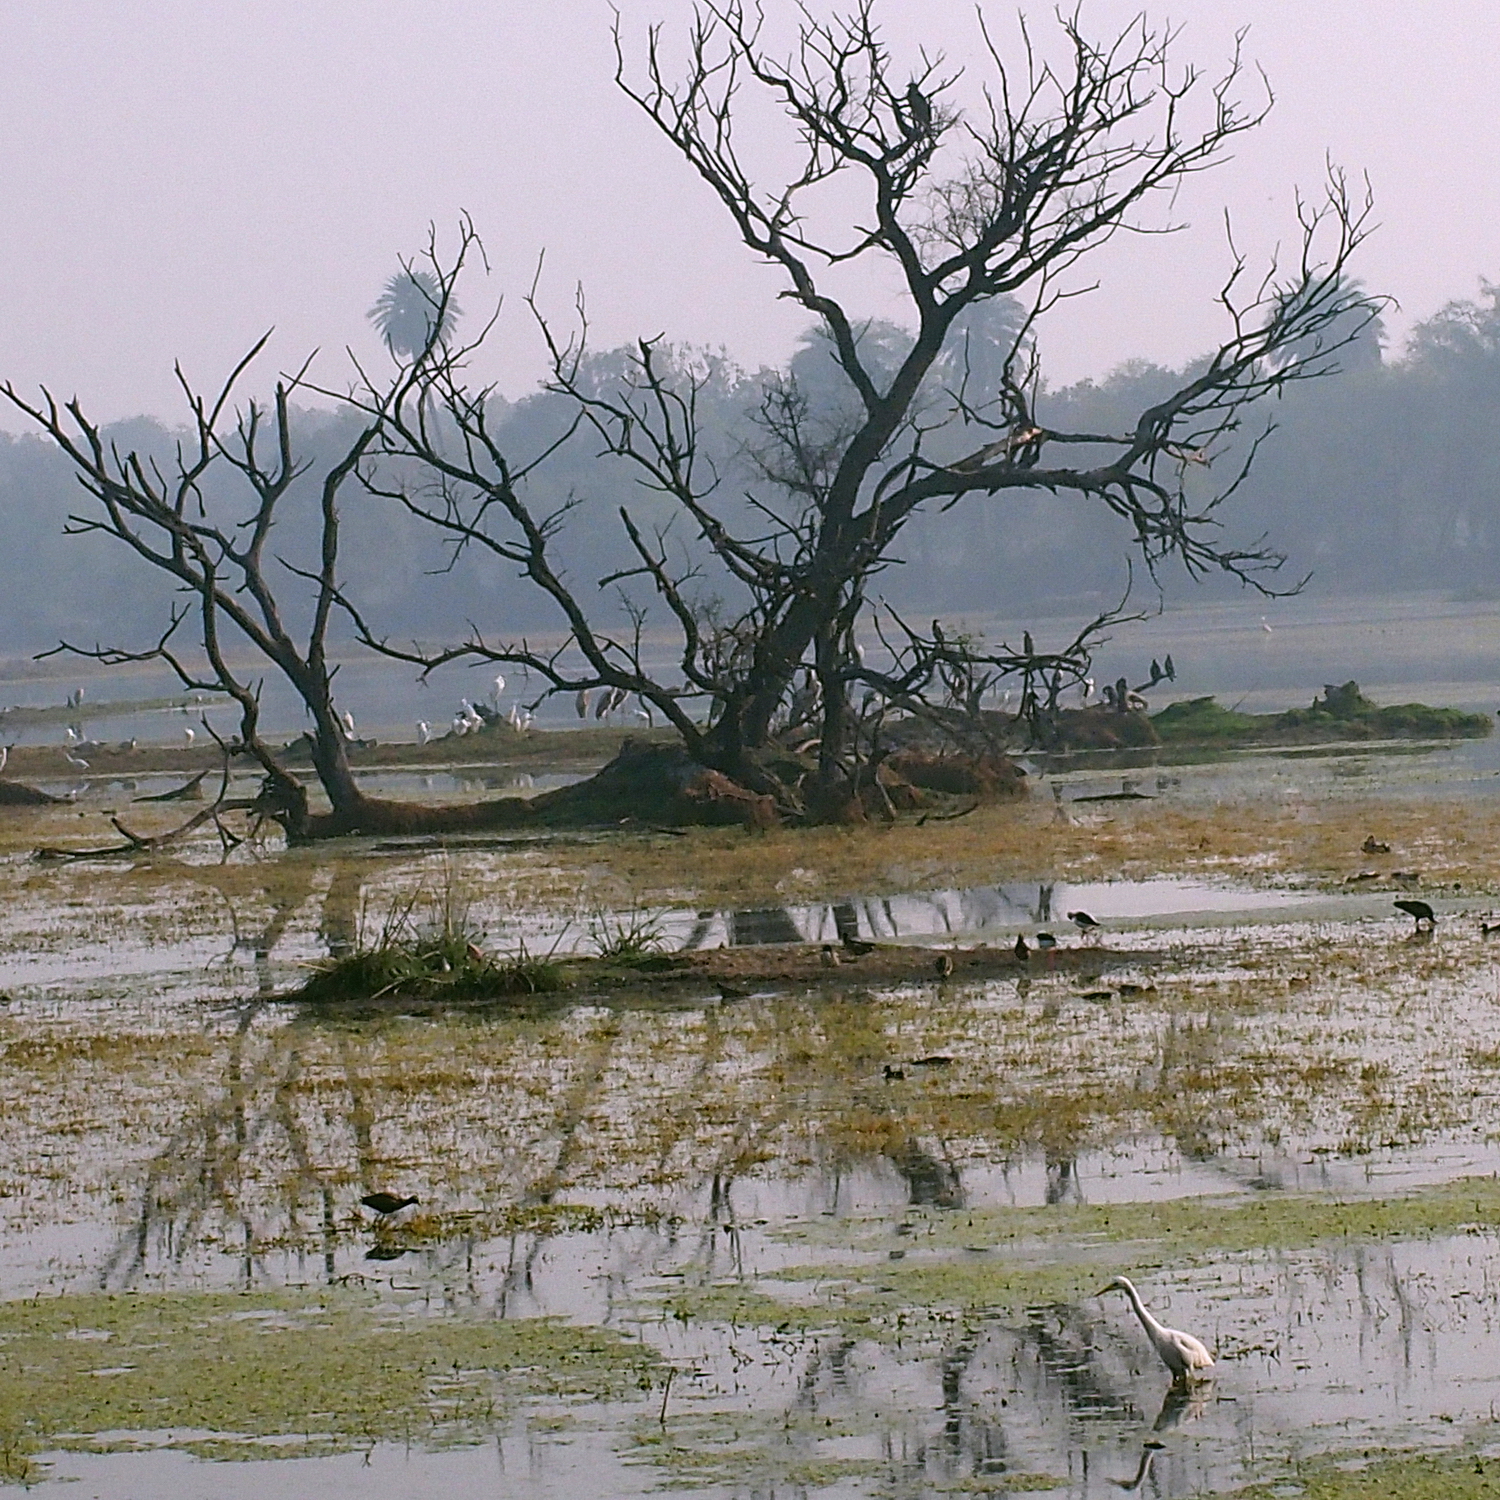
<point x="1180" y="1352"/>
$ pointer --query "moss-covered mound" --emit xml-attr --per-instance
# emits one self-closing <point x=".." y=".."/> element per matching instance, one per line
<point x="429" y="969"/>
<point x="1342" y="713"/>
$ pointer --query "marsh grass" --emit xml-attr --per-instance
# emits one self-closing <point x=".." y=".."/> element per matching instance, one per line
<point x="427" y="946"/>
<point x="628" y="936"/>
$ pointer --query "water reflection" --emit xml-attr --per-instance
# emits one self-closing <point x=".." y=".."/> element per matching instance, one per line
<point x="599" y="1161"/>
<point x="976" y="911"/>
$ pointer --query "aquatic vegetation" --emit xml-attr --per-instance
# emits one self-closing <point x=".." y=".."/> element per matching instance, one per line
<point x="1342" y="713"/>
<point x="626" y="936"/>
<point x="840" y="1263"/>
<point x="428" y="947"/>
<point x="221" y="1374"/>
<point x="1464" y="1475"/>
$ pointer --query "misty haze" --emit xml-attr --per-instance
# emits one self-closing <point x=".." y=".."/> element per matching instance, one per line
<point x="750" y="749"/>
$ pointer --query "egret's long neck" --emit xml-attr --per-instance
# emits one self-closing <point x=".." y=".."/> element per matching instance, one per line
<point x="1147" y="1321"/>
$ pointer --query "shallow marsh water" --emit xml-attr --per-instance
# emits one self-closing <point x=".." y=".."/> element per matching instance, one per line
<point x="669" y="1241"/>
<point x="856" y="1284"/>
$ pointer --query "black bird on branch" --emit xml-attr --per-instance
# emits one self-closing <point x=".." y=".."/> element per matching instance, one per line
<point x="1158" y="674"/>
<point x="920" y="108"/>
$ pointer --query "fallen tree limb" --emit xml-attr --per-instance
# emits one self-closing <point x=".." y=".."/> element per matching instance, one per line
<point x="187" y="792"/>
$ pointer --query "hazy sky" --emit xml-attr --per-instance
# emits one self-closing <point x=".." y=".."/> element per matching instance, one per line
<point x="180" y="175"/>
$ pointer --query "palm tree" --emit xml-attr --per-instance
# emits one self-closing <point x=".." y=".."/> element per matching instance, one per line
<point x="410" y="310"/>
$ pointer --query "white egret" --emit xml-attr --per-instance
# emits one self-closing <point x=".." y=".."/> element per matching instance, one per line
<point x="1180" y="1352"/>
<point x="189" y="737"/>
<point x="74" y="760"/>
<point x="460" y="725"/>
<point x="581" y="703"/>
<point x="499" y="688"/>
<point x="4" y="755"/>
<point x="1265" y="625"/>
<point x="424" y="731"/>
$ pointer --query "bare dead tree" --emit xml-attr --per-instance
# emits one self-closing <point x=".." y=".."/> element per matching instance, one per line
<point x="184" y="521"/>
<point x="1005" y="200"/>
<point x="166" y="517"/>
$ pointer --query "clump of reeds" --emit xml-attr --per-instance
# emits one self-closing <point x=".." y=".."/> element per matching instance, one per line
<point x="427" y="946"/>
<point x="626" y="937"/>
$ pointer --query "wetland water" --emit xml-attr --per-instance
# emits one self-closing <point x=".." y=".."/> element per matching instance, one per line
<point x="679" y="1242"/>
<point x="670" y="1242"/>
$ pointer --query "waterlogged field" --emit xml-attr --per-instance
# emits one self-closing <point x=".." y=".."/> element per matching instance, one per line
<point x="838" y="1239"/>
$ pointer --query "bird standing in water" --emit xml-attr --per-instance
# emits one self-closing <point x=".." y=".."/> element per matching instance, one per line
<point x="1022" y="952"/>
<point x="1420" y="912"/>
<point x="1180" y="1352"/>
<point x="1048" y="945"/>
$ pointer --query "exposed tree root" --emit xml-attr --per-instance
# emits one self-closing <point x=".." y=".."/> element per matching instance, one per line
<point x="644" y="783"/>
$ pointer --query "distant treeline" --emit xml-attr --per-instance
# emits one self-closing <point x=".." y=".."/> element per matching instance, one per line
<point x="1384" y="477"/>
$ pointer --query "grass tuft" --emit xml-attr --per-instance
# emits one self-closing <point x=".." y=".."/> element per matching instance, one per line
<point x="626" y="937"/>
<point x="427" y="947"/>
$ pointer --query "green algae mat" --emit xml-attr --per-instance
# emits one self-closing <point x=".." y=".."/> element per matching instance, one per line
<point x="258" y="1375"/>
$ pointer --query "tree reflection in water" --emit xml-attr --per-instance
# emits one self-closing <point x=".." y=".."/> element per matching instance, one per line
<point x="695" y="1131"/>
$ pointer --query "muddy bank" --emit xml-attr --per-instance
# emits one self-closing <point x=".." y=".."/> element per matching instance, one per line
<point x="736" y="972"/>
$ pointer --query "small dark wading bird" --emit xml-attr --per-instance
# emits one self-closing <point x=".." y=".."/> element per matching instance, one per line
<point x="1185" y="1356"/>
<point x="386" y="1203"/>
<point x="1420" y="912"/>
<point x="1022" y="952"/>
